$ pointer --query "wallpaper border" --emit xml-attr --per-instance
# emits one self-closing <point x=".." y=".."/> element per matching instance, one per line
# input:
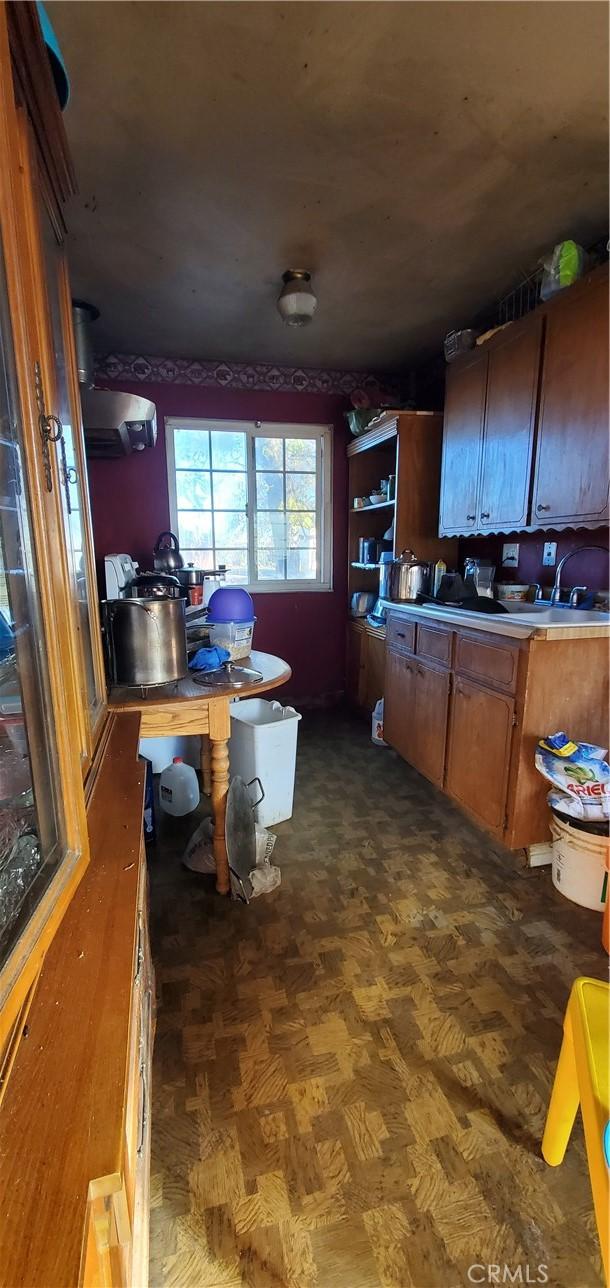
<point x="143" y="368"/>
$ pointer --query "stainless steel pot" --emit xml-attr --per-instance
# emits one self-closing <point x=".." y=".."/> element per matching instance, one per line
<point x="410" y="577"/>
<point x="167" y="557"/>
<point x="190" y="576"/>
<point x="145" y="640"/>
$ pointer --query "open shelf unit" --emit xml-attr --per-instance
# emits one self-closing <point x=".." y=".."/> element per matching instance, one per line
<point x="407" y="444"/>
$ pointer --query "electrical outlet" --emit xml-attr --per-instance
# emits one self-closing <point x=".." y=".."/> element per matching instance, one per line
<point x="510" y="555"/>
<point x="549" y="554"/>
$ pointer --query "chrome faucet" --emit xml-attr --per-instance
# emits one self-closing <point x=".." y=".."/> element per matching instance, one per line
<point x="576" y="590"/>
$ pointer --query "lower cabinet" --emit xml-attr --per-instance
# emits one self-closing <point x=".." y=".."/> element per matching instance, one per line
<point x="365" y="665"/>
<point x="431" y="704"/>
<point x="399" y="705"/>
<point x="466" y="707"/>
<point x="415" y="713"/>
<point x="478" y="752"/>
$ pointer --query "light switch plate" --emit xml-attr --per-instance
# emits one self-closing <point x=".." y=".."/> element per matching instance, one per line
<point x="549" y="554"/>
<point x="510" y="555"/>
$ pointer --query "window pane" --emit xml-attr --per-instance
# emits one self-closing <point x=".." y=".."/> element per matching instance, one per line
<point x="301" y="454"/>
<point x="301" y="529"/>
<point x="300" y="491"/>
<point x="195" y="530"/>
<point x="270" y="565"/>
<point x="229" y="491"/>
<point x="192" y="449"/>
<point x="203" y="559"/>
<point x="301" y="564"/>
<point x="231" y="528"/>
<point x="228" y="450"/>
<point x="269" y="453"/>
<point x="270" y="530"/>
<point x="236" y="562"/>
<point x="193" y="491"/>
<point x="270" y="491"/>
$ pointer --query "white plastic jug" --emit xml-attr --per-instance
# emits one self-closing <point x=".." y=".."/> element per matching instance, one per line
<point x="178" y="788"/>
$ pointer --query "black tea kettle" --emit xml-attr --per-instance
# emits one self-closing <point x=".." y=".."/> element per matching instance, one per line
<point x="166" y="553"/>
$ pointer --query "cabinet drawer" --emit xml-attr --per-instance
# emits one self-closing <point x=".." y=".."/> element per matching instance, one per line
<point x="494" y="660"/>
<point x="434" y="642"/>
<point x="400" y="635"/>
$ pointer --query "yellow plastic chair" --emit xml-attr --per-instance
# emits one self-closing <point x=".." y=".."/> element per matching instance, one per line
<point x="582" y="1077"/>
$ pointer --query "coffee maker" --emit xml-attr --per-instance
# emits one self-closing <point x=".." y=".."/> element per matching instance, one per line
<point x="479" y="575"/>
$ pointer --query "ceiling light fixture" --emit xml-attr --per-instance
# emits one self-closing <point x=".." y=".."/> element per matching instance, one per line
<point x="296" y="301"/>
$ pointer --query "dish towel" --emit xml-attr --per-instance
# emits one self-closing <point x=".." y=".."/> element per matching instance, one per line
<point x="209" y="659"/>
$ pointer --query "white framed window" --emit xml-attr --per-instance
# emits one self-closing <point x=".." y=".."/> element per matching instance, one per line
<point x="255" y="496"/>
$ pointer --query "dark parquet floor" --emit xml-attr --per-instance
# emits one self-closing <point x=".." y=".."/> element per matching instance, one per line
<point x="351" y="1075"/>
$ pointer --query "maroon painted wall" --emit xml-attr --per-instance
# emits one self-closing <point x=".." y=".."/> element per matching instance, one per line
<point x="130" y="507"/>
<point x="589" y="569"/>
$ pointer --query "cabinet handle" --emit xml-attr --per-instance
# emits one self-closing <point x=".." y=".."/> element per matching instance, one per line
<point x="401" y="635"/>
<point x="484" y="514"/>
<point x="471" y="517"/>
<point x="420" y="670"/>
<point x="541" y="509"/>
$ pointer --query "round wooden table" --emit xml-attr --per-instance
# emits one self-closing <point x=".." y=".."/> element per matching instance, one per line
<point x="185" y="707"/>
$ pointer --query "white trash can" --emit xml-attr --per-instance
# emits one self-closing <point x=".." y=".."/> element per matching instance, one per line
<point x="579" y="864"/>
<point x="264" y="745"/>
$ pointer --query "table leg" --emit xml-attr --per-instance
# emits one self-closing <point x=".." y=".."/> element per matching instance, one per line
<point x="206" y="765"/>
<point x="219" y="736"/>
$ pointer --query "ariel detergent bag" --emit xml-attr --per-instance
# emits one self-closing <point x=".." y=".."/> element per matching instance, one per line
<point x="579" y="774"/>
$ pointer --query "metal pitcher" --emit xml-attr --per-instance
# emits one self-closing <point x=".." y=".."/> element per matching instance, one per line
<point x="145" y="640"/>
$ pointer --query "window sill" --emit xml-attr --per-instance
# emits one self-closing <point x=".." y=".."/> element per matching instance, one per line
<point x="288" y="588"/>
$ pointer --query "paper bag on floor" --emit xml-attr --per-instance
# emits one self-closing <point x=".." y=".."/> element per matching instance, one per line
<point x="199" y="857"/>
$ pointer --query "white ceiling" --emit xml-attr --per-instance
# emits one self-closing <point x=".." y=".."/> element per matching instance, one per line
<point x="417" y="157"/>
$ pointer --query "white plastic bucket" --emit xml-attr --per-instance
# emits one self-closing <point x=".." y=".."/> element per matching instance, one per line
<point x="264" y="745"/>
<point x="579" y="864"/>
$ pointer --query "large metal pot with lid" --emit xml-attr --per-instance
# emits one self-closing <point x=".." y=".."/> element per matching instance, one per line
<point x="409" y="578"/>
<point x="153" y="585"/>
<point x="145" y="640"/>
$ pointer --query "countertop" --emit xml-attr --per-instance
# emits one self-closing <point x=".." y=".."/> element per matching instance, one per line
<point x="545" y="623"/>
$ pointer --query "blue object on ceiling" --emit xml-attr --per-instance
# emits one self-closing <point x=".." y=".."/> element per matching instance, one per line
<point x="58" y="67"/>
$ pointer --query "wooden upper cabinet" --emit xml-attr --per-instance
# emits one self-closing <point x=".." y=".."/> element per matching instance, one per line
<point x="508" y="434"/>
<point x="462" y="436"/>
<point x="571" y="478"/>
<point x="508" y="465"/>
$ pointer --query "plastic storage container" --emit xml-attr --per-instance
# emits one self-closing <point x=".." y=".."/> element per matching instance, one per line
<point x="264" y="745"/>
<point x="579" y="864"/>
<point x="178" y="788"/>
<point x="236" y="637"/>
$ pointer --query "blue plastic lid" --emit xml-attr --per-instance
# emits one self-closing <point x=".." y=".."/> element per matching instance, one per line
<point x="230" y="604"/>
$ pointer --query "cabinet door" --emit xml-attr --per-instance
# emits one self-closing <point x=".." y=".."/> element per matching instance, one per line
<point x="356" y="642"/>
<point x="462" y="435"/>
<point x="39" y="836"/>
<point x="508" y="437"/>
<point x="431" y="703"/>
<point x="399" y="704"/>
<point x="571" y="479"/>
<point x="480" y="735"/>
<point x="59" y="393"/>
<point x="374" y="670"/>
